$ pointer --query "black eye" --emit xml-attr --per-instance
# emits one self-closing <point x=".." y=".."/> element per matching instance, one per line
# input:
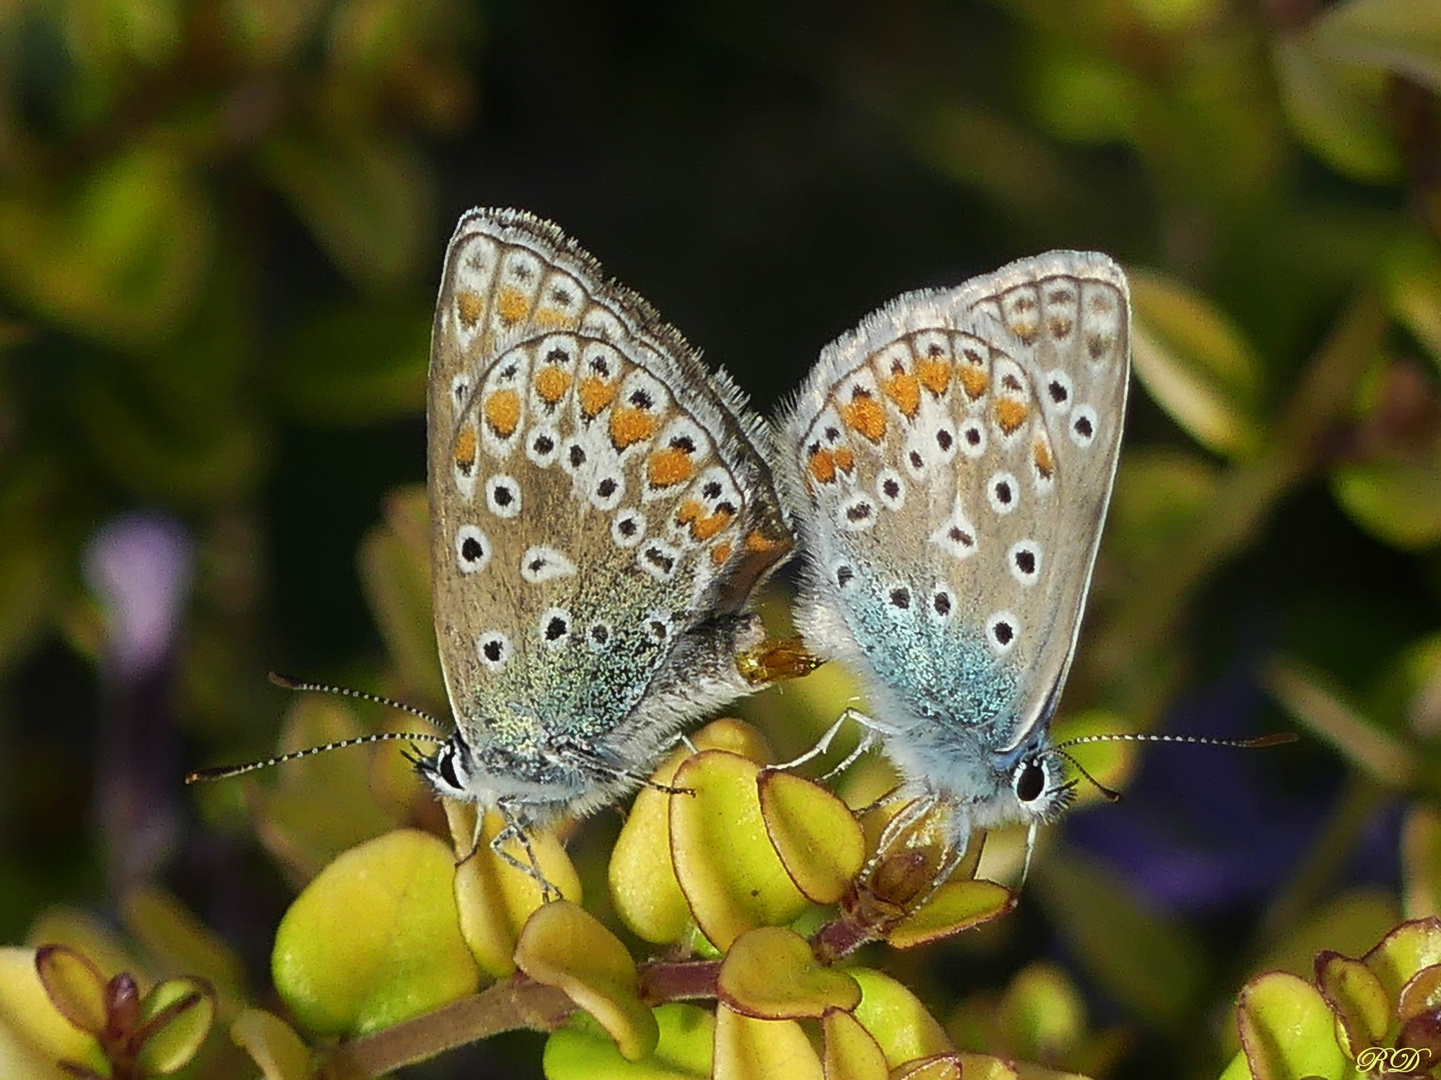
<point x="445" y="764"/>
<point x="1030" y="781"/>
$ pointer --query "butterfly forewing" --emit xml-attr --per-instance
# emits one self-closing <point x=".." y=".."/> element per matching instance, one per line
<point x="954" y="458"/>
<point x="594" y="489"/>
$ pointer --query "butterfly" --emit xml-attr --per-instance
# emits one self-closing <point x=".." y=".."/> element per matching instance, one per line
<point x="949" y="463"/>
<point x="601" y="515"/>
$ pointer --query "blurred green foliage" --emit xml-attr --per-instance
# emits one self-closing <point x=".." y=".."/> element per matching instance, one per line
<point x="220" y="229"/>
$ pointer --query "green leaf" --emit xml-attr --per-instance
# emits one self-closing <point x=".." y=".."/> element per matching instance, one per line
<point x="956" y="906"/>
<point x="1195" y="364"/>
<point x="642" y="879"/>
<point x="180" y="941"/>
<point x="273" y="1045"/>
<point x="366" y="199"/>
<point x="33" y="1032"/>
<point x="1337" y="110"/>
<point x="495" y="899"/>
<point x="1413" y="290"/>
<point x="897" y="1019"/>
<point x="747" y="1049"/>
<point x="394" y="565"/>
<point x="851" y="1052"/>
<point x="1421" y="861"/>
<point x="1087" y="99"/>
<point x="1405" y="951"/>
<point x="1399" y="36"/>
<point x="1043" y="1014"/>
<point x="583" y="1051"/>
<point x="375" y="938"/>
<point x="772" y="974"/>
<point x="564" y="946"/>
<point x="816" y="835"/>
<point x="1357" y="998"/>
<point x="75" y="987"/>
<point x="1160" y="494"/>
<point x="1287" y="1031"/>
<point x="179" y="1014"/>
<point x="119" y="255"/>
<point x="1348" y="924"/>
<point x="1396" y="500"/>
<point x="728" y="869"/>
<point x="321" y="805"/>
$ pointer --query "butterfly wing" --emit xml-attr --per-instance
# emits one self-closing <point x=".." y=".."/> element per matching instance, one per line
<point x="950" y="463"/>
<point x="595" y="491"/>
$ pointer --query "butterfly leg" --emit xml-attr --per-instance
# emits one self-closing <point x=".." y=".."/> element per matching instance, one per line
<point x="514" y="829"/>
<point x="823" y="744"/>
<point x="957" y="843"/>
<point x="774" y="660"/>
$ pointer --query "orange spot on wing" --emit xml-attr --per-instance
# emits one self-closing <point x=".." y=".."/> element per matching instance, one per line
<point x="464" y="454"/>
<point x="511" y="305"/>
<point x="934" y="373"/>
<point x="845" y="460"/>
<point x="721" y="552"/>
<point x="822" y="465"/>
<point x="551" y="383"/>
<point x="689" y="511"/>
<point x="469" y="306"/>
<point x="502" y="412"/>
<point x="1011" y="414"/>
<point x="669" y="466"/>
<point x="905" y="391"/>
<point x="596" y="394"/>
<point x="629" y="426"/>
<point x="1025" y="329"/>
<point x="1041" y="454"/>
<point x="549" y="318"/>
<point x="707" y="527"/>
<point x="865" y="415"/>
<point x="976" y="381"/>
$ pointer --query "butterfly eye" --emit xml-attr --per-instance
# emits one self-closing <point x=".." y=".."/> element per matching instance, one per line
<point x="1030" y="780"/>
<point x="445" y="764"/>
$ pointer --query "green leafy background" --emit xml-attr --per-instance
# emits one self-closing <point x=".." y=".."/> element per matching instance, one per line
<point x="221" y="227"/>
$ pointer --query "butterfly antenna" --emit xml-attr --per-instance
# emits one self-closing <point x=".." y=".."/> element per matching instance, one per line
<point x="1278" y="739"/>
<point x="223" y="772"/>
<point x="285" y="682"/>
<point x="1111" y="794"/>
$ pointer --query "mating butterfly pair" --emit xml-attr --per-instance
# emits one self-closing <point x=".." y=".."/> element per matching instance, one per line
<point x="603" y="507"/>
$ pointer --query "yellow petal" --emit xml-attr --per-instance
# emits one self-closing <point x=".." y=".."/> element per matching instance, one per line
<point x="273" y="1045"/>
<point x="817" y="837"/>
<point x="771" y="974"/>
<point x="493" y="897"/>
<point x="375" y="938"/>
<point x="851" y="1052"/>
<point x="747" y="1049"/>
<point x="727" y="868"/>
<point x="643" y="884"/>
<point x="564" y="947"/>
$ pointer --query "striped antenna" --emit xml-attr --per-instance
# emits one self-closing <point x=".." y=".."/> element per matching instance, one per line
<point x="1278" y="739"/>
<point x="223" y="772"/>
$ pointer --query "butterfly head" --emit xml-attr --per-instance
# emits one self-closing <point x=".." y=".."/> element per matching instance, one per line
<point x="450" y="770"/>
<point x="1030" y="784"/>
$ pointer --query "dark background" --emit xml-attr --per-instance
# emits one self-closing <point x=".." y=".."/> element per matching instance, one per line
<point x="221" y="229"/>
